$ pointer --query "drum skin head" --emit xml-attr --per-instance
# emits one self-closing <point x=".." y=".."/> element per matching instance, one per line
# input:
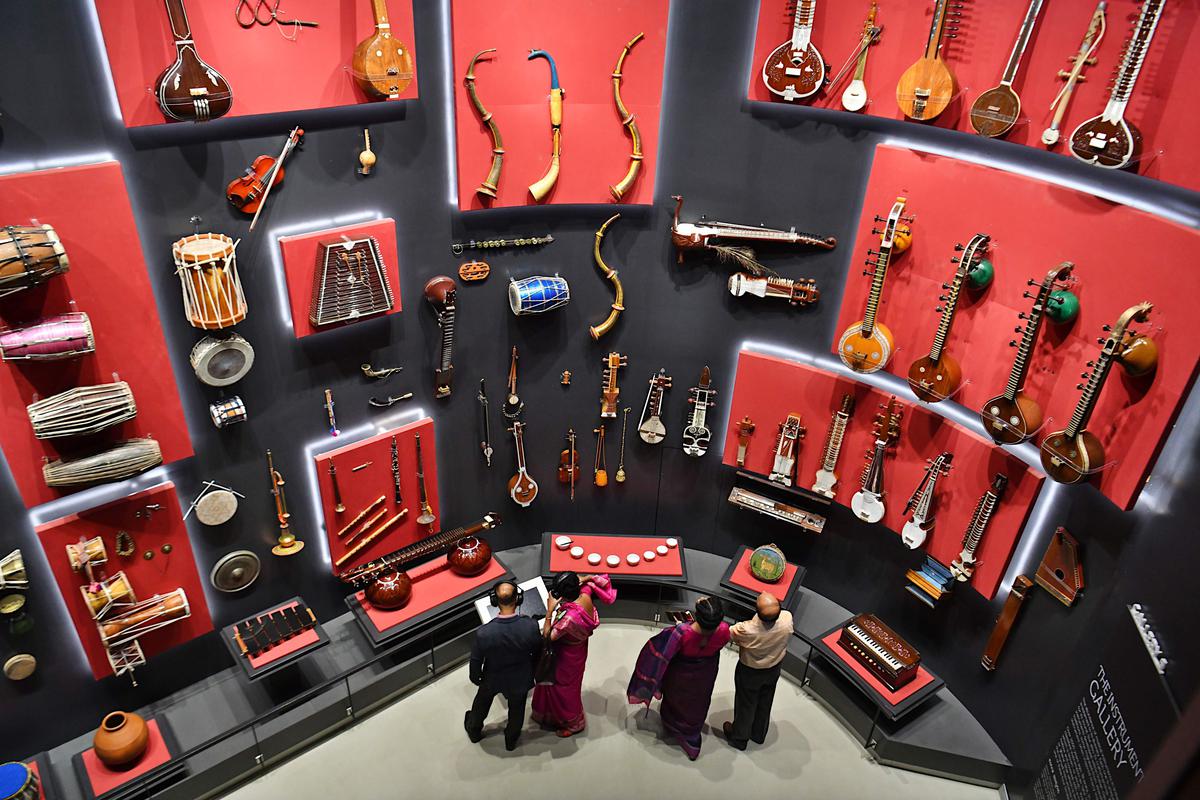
<point x="216" y="507"/>
<point x="20" y="667"/>
<point x="223" y="361"/>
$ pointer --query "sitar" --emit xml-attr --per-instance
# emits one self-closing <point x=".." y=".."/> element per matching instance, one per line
<point x="1075" y="453"/>
<point x="382" y="66"/>
<point x="919" y="507"/>
<point x="696" y="435"/>
<point x="996" y="110"/>
<point x="1109" y="140"/>
<point x="1014" y="417"/>
<point x="429" y="547"/>
<point x="796" y="70"/>
<point x="928" y="86"/>
<point x="651" y="429"/>
<point x="522" y="488"/>
<point x="189" y="89"/>
<point x="442" y="294"/>
<point x="827" y="479"/>
<point x="963" y="567"/>
<point x="938" y="375"/>
<point x="867" y="503"/>
<point x="787" y="444"/>
<point x="866" y="346"/>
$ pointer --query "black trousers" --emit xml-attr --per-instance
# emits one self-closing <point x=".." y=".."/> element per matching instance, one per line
<point x="483" y="704"/>
<point x="754" y="691"/>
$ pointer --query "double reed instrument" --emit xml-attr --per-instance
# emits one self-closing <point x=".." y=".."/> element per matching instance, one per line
<point x="618" y="303"/>
<point x="542" y="187"/>
<point x="288" y="544"/>
<point x="492" y="182"/>
<point x="619" y="189"/>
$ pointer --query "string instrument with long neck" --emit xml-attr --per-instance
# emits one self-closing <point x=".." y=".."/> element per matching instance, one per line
<point x="543" y="185"/>
<point x="442" y="294"/>
<point x="696" y="435"/>
<point x="713" y="235"/>
<point x="745" y="430"/>
<point x="938" y="375"/>
<point x="854" y="98"/>
<point x="651" y="429"/>
<point x="610" y="392"/>
<point x="928" y="86"/>
<point x="426" y="517"/>
<point x="963" y="567"/>
<point x="427" y="548"/>
<point x="629" y="122"/>
<point x="600" y="468"/>
<point x="787" y="445"/>
<point x="996" y="110"/>
<point x="1014" y="417"/>
<point x="867" y="503"/>
<point x="619" y="476"/>
<point x="485" y="425"/>
<point x="189" y="90"/>
<point x="827" y="479"/>
<point x="492" y="182"/>
<point x="618" y="303"/>
<point x="1075" y="453"/>
<point x="287" y="543"/>
<point x="568" y="464"/>
<point x="866" y="346"/>
<point x="1109" y="140"/>
<point x="382" y="66"/>
<point x="796" y="70"/>
<point x="1084" y="57"/>
<point x="919" y="507"/>
<point x="513" y="405"/>
<point x="799" y="292"/>
<point x="522" y="488"/>
<point x="248" y="193"/>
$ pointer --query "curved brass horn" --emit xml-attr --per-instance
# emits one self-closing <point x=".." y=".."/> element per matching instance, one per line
<point x="490" y="184"/>
<point x="619" y="189"/>
<point x="618" y="304"/>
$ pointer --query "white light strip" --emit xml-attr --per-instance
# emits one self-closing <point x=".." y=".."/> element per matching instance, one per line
<point x="110" y="86"/>
<point x="1032" y="541"/>
<point x="96" y="496"/>
<point x="71" y="160"/>
<point x="448" y="106"/>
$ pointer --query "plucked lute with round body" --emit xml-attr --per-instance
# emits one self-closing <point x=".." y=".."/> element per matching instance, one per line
<point x="382" y="64"/>
<point x="796" y="70"/>
<point x="866" y="346"/>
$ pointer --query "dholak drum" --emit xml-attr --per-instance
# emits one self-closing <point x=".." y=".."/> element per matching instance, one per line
<point x="227" y="412"/>
<point x="28" y="257"/>
<point x="83" y="410"/>
<point x="49" y="339"/>
<point x="220" y="362"/>
<point x="537" y="294"/>
<point x="17" y="782"/>
<point x="117" y="463"/>
<point x="206" y="264"/>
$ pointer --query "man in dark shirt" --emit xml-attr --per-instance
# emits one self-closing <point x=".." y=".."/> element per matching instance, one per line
<point x="502" y="661"/>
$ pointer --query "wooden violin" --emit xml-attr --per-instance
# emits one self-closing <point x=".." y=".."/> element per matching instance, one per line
<point x="248" y="192"/>
<point x="189" y="89"/>
<point x="568" y="463"/>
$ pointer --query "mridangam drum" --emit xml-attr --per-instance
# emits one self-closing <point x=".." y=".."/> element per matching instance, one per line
<point x="206" y="264"/>
<point x="537" y="294"/>
<point x="28" y="257"/>
<point x="220" y="362"/>
<point x="227" y="412"/>
<point x="83" y="410"/>
<point x="117" y="463"/>
<point x="17" y="781"/>
<point x="49" y="339"/>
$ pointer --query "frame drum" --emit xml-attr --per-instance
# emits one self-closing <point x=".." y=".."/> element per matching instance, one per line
<point x="121" y="461"/>
<point x="227" y="412"/>
<point x="49" y="339"/>
<point x="220" y="362"/>
<point x="206" y="264"/>
<point x="216" y="507"/>
<point x="537" y="294"/>
<point x="83" y="410"/>
<point x="28" y="257"/>
<point x="17" y="781"/>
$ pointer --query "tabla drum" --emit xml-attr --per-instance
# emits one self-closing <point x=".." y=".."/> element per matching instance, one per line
<point x="83" y="410"/>
<point x="538" y="294"/>
<point x="216" y="507"/>
<point x="227" y="412"/>
<point x="206" y="264"/>
<point x="221" y="361"/>
<point x="235" y="571"/>
<point x="49" y="339"/>
<point x="17" y="781"/>
<point x="28" y="257"/>
<point x="122" y="461"/>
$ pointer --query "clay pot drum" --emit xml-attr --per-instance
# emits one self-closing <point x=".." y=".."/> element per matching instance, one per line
<point x="121" y="739"/>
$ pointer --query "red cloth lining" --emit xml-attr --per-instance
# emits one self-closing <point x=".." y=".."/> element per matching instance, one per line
<point x="923" y="678"/>
<point x="670" y="565"/>
<point x="33" y="767"/>
<point x="104" y="779"/>
<point x="743" y="577"/>
<point x="429" y="591"/>
<point x="292" y="645"/>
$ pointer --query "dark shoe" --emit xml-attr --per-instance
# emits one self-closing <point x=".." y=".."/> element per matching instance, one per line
<point x="473" y="735"/>
<point x="510" y="744"/>
<point x="727" y="729"/>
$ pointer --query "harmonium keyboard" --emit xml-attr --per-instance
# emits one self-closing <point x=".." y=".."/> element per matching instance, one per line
<point x="878" y="648"/>
<point x="753" y="501"/>
<point x="258" y="635"/>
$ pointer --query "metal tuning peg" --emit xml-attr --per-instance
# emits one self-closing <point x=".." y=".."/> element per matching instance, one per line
<point x="910" y="219"/>
<point x="937" y="310"/>
<point x="942" y="298"/>
<point x="879" y="218"/>
<point x="1026" y="295"/>
<point x="959" y="248"/>
<point x="1012" y="342"/>
<point x="1091" y="363"/>
<point x="876" y="232"/>
<point x="945" y="286"/>
<point x="1079" y="387"/>
<point x="1106" y="328"/>
<point x="955" y="260"/>
<point x="1022" y="315"/>
<point x="1031" y="282"/>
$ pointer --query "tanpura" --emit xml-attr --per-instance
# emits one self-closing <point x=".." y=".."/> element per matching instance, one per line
<point x="928" y="86"/>
<point x="248" y="193"/>
<point x="189" y="89"/>
<point x="866" y="346"/>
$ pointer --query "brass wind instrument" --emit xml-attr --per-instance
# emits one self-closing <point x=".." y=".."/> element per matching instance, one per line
<point x="628" y="120"/>
<point x="288" y="544"/>
<point x="618" y="302"/>
<point x="492" y="181"/>
<point x="542" y="188"/>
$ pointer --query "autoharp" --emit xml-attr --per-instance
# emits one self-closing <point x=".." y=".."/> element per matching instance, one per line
<point x="881" y="650"/>
<point x="428" y="547"/>
<point x="350" y="282"/>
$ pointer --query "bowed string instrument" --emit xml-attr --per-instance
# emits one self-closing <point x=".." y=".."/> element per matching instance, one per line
<point x="248" y="193"/>
<point x="568" y="464"/>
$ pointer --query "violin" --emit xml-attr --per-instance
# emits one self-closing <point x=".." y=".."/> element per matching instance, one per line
<point x="568" y="464"/>
<point x="248" y="192"/>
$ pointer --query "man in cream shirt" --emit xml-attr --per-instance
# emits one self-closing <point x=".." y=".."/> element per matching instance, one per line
<point x="762" y="641"/>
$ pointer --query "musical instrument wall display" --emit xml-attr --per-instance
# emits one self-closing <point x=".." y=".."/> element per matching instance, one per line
<point x="796" y="69"/>
<point x="619" y="477"/>
<point x="485" y="426"/>
<point x="426" y="517"/>
<point x="1084" y="57"/>
<point x="867" y="346"/>
<point x="287" y="543"/>
<point x="221" y="361"/>
<point x="206" y="265"/>
<point x="62" y="336"/>
<point x="541" y="188"/>
<point x="697" y="435"/>
<point x="827" y="479"/>
<point x="920" y="507"/>
<point x="248" y="193"/>
<point x="651" y="429"/>
<point x="768" y="507"/>
<point x="996" y="110"/>
<point x="522" y="488"/>
<point x="491" y="183"/>
<point x="618" y="303"/>
<point x="867" y="503"/>
<point x="189" y="90"/>
<point x="513" y="405"/>
<point x="600" y="466"/>
<point x="442" y="295"/>
<point x="350" y="282"/>
<point x="29" y="256"/>
<point x="382" y="65"/>
<point x="787" y="445"/>
<point x="929" y="86"/>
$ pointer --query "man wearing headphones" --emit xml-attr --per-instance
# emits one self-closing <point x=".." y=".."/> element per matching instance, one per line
<point x="502" y="662"/>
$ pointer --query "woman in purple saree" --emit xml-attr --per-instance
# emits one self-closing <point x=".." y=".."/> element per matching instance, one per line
<point x="680" y="665"/>
<point x="570" y="620"/>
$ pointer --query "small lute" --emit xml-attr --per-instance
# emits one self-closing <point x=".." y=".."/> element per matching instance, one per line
<point x="382" y="65"/>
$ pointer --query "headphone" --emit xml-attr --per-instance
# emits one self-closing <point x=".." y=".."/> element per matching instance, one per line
<point x="494" y="599"/>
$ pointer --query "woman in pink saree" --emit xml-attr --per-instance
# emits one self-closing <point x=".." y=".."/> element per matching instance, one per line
<point x="570" y="621"/>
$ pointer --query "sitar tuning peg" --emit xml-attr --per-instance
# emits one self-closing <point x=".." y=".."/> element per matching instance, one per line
<point x="1030" y="282"/>
<point x="1079" y="387"/>
<point x="1091" y="363"/>
<point x="955" y="260"/>
<point x="1026" y="294"/>
<point x="1017" y="329"/>
<point x="959" y="248"/>
<point x="1106" y="328"/>
<point x="1084" y="375"/>
<point x="879" y="218"/>
<point x="942" y="298"/>
<point x="937" y="310"/>
<point x="1022" y="315"/>
<point x="1012" y="342"/>
<point x="1100" y="340"/>
<point x="945" y="286"/>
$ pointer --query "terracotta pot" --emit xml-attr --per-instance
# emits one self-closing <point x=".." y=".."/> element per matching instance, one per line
<point x="121" y="739"/>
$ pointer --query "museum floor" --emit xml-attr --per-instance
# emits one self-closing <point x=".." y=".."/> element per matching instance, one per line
<point x="417" y="748"/>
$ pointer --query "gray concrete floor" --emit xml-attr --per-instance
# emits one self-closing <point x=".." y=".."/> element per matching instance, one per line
<point x="417" y="748"/>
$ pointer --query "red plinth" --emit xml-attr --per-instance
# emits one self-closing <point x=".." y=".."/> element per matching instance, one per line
<point x="105" y="779"/>
<point x="670" y="565"/>
<point x="433" y="585"/>
<point x="922" y="679"/>
<point x="293" y="645"/>
<point x="743" y="577"/>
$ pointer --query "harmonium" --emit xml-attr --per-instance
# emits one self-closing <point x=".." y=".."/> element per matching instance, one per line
<point x="257" y="636"/>
<point x="881" y="650"/>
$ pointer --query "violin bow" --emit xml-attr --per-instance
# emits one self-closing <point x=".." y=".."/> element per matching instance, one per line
<point x="287" y="146"/>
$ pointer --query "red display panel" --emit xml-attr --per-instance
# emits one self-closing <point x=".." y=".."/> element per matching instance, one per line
<point x="585" y="41"/>
<point x="108" y="281"/>
<point x="299" y="254"/>
<point x="293" y="645"/>
<point x="164" y="573"/>
<point x="105" y="779"/>
<point x="1160" y="106"/>
<point x="37" y="771"/>
<point x="360" y="489"/>
<point x="267" y="72"/>
<point x="923" y="678"/>
<point x="743" y="577"/>
<point x="670" y="565"/>
<point x="432" y="584"/>
<point x="1122" y="256"/>
<point x="767" y="389"/>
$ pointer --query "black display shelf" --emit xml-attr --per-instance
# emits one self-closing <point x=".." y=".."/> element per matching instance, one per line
<point x="547" y="549"/>
<point x="789" y="595"/>
<point x="146" y="784"/>
<point x="795" y="493"/>
<point x="266" y="670"/>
